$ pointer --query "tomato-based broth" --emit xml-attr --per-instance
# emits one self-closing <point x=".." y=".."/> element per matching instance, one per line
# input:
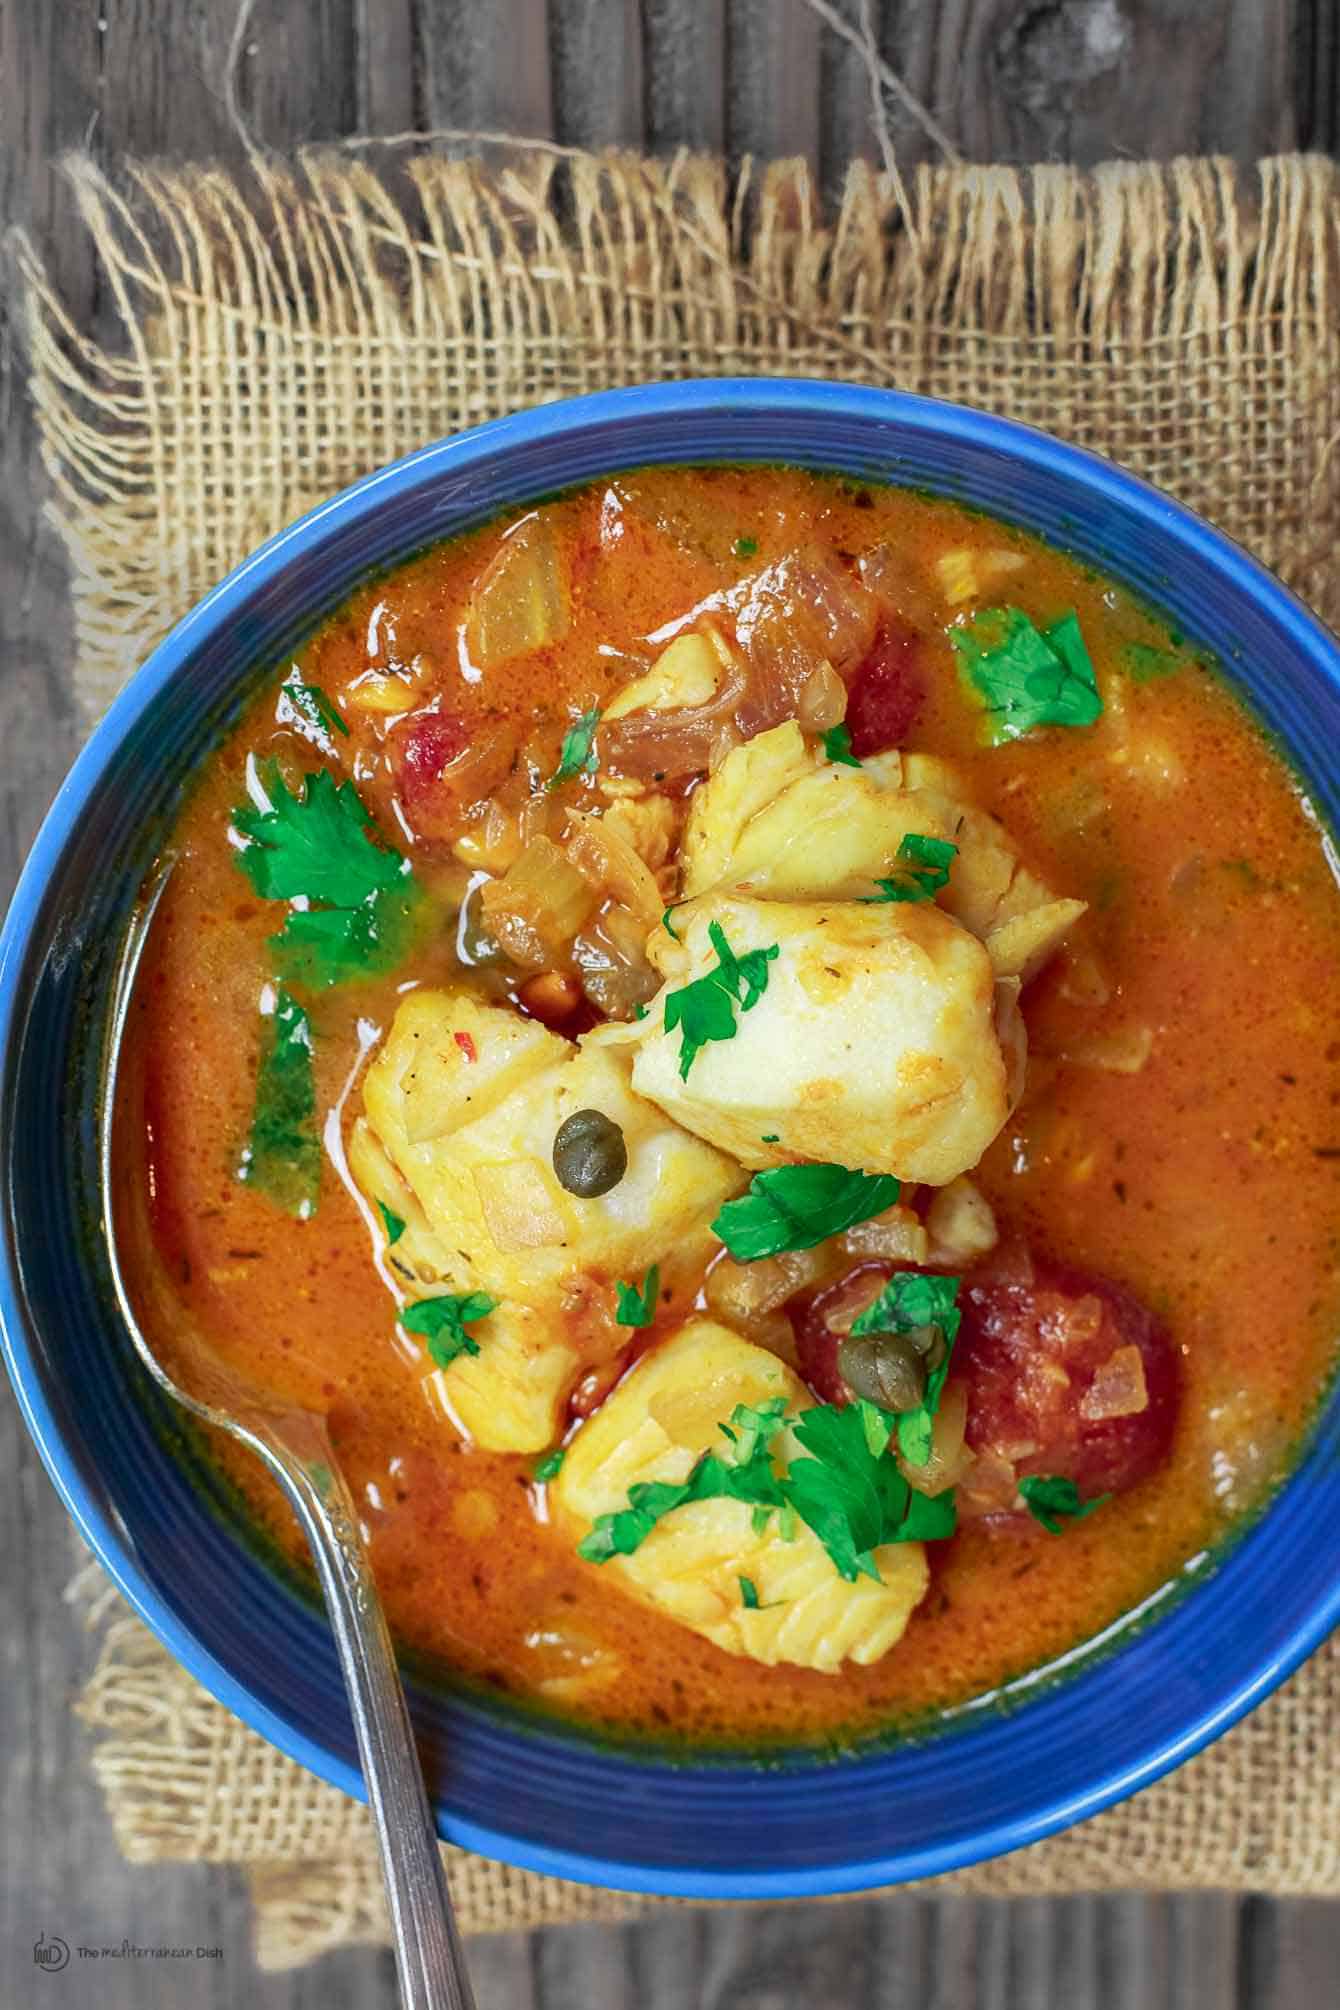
<point x="766" y="1050"/>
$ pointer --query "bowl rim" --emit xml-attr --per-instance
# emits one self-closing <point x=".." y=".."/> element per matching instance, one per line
<point x="1130" y="495"/>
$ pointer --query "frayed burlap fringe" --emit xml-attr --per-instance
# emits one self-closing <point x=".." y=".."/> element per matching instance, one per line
<point x="185" y="1780"/>
<point x="283" y="337"/>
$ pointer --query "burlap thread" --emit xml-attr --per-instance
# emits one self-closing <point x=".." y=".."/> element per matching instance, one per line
<point x="283" y="337"/>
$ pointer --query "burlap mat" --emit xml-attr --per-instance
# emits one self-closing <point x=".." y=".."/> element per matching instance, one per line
<point x="283" y="337"/>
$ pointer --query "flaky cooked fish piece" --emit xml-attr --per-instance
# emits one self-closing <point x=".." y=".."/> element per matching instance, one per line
<point x="654" y="1426"/>
<point x="875" y="1043"/>
<point x="780" y="821"/>
<point x="460" y="1110"/>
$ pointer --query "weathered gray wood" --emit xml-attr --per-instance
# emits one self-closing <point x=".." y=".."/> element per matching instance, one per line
<point x="596" y="57"/>
<point x="685" y="55"/>
<point x="485" y="65"/>
<point x="1089" y="79"/>
<point x="772" y="78"/>
<point x="1011" y="78"/>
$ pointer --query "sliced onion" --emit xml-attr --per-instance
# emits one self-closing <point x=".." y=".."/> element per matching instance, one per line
<point x="896" y="1236"/>
<point x="950" y="1457"/>
<point x="519" y="603"/>
<point x="897" y="585"/>
<point x="668" y="746"/>
<point x="747" y="1291"/>
<point x="795" y="620"/>
<point x="1118" y="1388"/>
<point x="615" y="973"/>
<point x="611" y="866"/>
<point x="823" y="701"/>
<point x="537" y="907"/>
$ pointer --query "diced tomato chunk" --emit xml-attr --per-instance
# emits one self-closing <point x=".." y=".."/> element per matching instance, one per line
<point x="887" y="691"/>
<point x="430" y="742"/>
<point x="1029" y="1354"/>
<point x="1067" y="1375"/>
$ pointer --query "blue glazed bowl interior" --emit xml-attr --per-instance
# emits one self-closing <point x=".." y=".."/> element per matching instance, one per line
<point x="994" y="1777"/>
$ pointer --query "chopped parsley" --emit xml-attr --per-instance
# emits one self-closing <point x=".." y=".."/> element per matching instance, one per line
<point x="442" y="1322"/>
<point x="837" y="746"/>
<point x="925" y="870"/>
<point x="1142" y="662"/>
<point x="1026" y="676"/>
<point x="549" y="1467"/>
<point x="394" y="1224"/>
<point x="749" y="1594"/>
<point x="745" y="547"/>
<point x="1056" y="1501"/>
<point x="912" y="1299"/>
<point x="795" y="1207"/>
<point x="845" y="1488"/>
<point x="577" y="755"/>
<point x="745" y="1474"/>
<point x="705" y="1009"/>
<point x="638" y="1308"/>
<point x="282" y="1155"/>
<point x="311" y="704"/>
<point x="318" y="846"/>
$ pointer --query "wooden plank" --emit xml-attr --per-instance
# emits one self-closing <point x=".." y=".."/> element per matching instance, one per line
<point x="685" y="64"/>
<point x="384" y="69"/>
<point x="1011" y="80"/>
<point x="596" y="58"/>
<point x="484" y="65"/>
<point x="772" y="79"/>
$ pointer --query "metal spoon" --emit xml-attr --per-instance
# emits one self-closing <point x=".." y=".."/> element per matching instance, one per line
<point x="295" y="1446"/>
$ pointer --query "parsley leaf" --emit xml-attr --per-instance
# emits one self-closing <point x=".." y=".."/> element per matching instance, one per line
<point x="926" y="871"/>
<point x="1026" y="676"/>
<point x="837" y="746"/>
<point x="313" y="846"/>
<point x="846" y="1488"/>
<point x="309" y="703"/>
<point x="1142" y="662"/>
<point x="1056" y="1501"/>
<point x="749" y="1594"/>
<point x="745" y="547"/>
<point x="282" y="1155"/>
<point x="317" y="846"/>
<point x="744" y="1474"/>
<point x="910" y="1299"/>
<point x="638" y="1308"/>
<point x="549" y="1467"/>
<point x="577" y="755"/>
<point x="442" y="1322"/>
<point x="705" y="1009"/>
<point x="393" y="1223"/>
<point x="794" y="1207"/>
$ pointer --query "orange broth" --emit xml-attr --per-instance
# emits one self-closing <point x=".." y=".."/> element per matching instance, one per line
<point x="1206" y="1181"/>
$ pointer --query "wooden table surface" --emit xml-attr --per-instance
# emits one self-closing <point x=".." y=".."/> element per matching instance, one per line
<point x="1006" y="79"/>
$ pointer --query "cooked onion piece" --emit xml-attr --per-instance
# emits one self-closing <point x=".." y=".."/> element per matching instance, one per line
<point x="520" y="600"/>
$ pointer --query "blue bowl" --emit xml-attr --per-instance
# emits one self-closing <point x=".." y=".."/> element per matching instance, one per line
<point x="989" y="1778"/>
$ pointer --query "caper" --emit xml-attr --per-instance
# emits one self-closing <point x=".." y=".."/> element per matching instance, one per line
<point x="590" y="1155"/>
<point x="885" y="1368"/>
<point x="929" y="1342"/>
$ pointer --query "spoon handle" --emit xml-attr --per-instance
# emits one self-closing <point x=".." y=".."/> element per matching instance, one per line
<point x="429" y="1960"/>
